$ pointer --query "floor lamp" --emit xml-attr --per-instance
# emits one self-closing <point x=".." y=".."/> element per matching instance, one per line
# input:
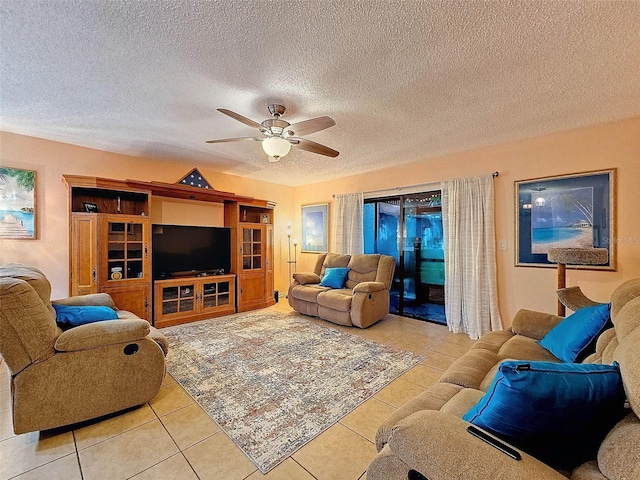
<point x="573" y="297"/>
<point x="295" y="252"/>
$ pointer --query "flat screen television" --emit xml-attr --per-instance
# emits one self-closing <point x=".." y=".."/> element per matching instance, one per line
<point x="183" y="250"/>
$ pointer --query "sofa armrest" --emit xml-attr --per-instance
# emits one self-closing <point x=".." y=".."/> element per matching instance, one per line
<point x="93" y="299"/>
<point x="99" y="334"/>
<point x="534" y="324"/>
<point x="306" y="278"/>
<point x="438" y="445"/>
<point x="369" y="287"/>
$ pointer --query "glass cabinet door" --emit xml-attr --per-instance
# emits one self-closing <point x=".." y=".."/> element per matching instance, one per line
<point x="215" y="294"/>
<point x="178" y="298"/>
<point x="125" y="250"/>
<point x="251" y="248"/>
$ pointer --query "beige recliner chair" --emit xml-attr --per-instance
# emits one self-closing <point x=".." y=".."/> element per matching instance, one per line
<point x="64" y="377"/>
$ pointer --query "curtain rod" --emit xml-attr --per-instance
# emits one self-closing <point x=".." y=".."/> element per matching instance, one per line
<point x="407" y="187"/>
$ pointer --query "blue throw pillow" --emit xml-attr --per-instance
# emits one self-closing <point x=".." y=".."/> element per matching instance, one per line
<point x="334" y="277"/>
<point x="574" y="337"/>
<point x="72" y="316"/>
<point x="557" y="412"/>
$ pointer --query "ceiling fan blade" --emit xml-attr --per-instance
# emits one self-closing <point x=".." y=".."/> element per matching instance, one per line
<point x="311" y="126"/>
<point x="238" y="139"/>
<point x="314" y="147"/>
<point x="240" y="118"/>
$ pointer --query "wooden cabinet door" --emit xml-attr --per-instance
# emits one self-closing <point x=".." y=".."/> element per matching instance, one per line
<point x="252" y="268"/>
<point x="134" y="298"/>
<point x="251" y="293"/>
<point x="269" y="266"/>
<point x="217" y="295"/>
<point x="125" y="271"/>
<point x="84" y="254"/>
<point x="125" y="252"/>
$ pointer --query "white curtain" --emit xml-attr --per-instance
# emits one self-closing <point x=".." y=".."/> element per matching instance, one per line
<point x="470" y="288"/>
<point x="349" y="237"/>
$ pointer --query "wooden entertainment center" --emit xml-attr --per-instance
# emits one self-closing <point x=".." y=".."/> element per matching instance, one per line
<point x="110" y="251"/>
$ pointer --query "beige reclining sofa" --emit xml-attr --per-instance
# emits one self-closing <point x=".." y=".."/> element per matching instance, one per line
<point x="362" y="300"/>
<point x="61" y="377"/>
<point x="427" y="438"/>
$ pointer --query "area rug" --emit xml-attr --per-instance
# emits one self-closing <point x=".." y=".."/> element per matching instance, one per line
<point x="273" y="381"/>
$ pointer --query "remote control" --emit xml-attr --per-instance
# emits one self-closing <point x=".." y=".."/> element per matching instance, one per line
<point x="494" y="442"/>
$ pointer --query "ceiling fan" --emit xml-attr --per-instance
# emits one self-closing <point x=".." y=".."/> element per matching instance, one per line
<point x="278" y="135"/>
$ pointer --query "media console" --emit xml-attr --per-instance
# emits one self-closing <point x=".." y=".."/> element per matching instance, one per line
<point x="111" y="250"/>
<point x="187" y="299"/>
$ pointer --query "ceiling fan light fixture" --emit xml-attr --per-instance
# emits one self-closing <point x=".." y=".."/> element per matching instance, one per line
<point x="276" y="147"/>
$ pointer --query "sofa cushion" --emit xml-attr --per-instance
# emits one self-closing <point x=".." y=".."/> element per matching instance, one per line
<point x="308" y="293"/>
<point x="460" y="403"/>
<point x="68" y="316"/>
<point x="525" y="348"/>
<point x="433" y="398"/>
<point x="336" y="299"/>
<point x="493" y="341"/>
<point x="541" y="407"/>
<point x="574" y="338"/>
<point x="334" y="277"/>
<point x="469" y="370"/>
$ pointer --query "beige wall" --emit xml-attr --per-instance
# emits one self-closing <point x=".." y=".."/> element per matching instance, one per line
<point x="615" y="145"/>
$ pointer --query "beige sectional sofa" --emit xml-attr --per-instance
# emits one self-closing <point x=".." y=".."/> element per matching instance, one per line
<point x="361" y="301"/>
<point x="61" y="377"/>
<point x="428" y="435"/>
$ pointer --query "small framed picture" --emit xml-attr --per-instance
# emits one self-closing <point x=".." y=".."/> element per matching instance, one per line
<point x="17" y="203"/>
<point x="315" y="228"/>
<point x="90" y="207"/>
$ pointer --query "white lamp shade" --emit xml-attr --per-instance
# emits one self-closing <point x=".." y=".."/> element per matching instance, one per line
<point x="276" y="147"/>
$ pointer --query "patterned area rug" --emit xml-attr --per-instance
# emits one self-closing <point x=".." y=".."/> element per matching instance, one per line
<point x="274" y="381"/>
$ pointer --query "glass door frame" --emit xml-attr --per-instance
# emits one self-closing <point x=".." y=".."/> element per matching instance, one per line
<point x="403" y="275"/>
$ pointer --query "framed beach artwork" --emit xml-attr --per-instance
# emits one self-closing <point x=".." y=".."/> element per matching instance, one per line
<point x="315" y="228"/>
<point x="17" y="203"/>
<point x="569" y="211"/>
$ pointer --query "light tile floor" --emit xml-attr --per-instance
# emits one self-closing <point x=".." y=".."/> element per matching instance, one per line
<point x="171" y="437"/>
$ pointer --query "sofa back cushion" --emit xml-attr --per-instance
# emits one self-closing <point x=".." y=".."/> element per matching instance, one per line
<point x="333" y="260"/>
<point x="622" y="294"/>
<point x="621" y="343"/>
<point x="627" y="354"/>
<point x="33" y="277"/>
<point x="27" y="331"/>
<point x="362" y="268"/>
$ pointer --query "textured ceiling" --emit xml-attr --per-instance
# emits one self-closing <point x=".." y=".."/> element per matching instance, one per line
<point x="404" y="80"/>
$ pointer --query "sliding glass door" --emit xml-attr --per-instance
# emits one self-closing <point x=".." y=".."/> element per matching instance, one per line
<point x="409" y="228"/>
